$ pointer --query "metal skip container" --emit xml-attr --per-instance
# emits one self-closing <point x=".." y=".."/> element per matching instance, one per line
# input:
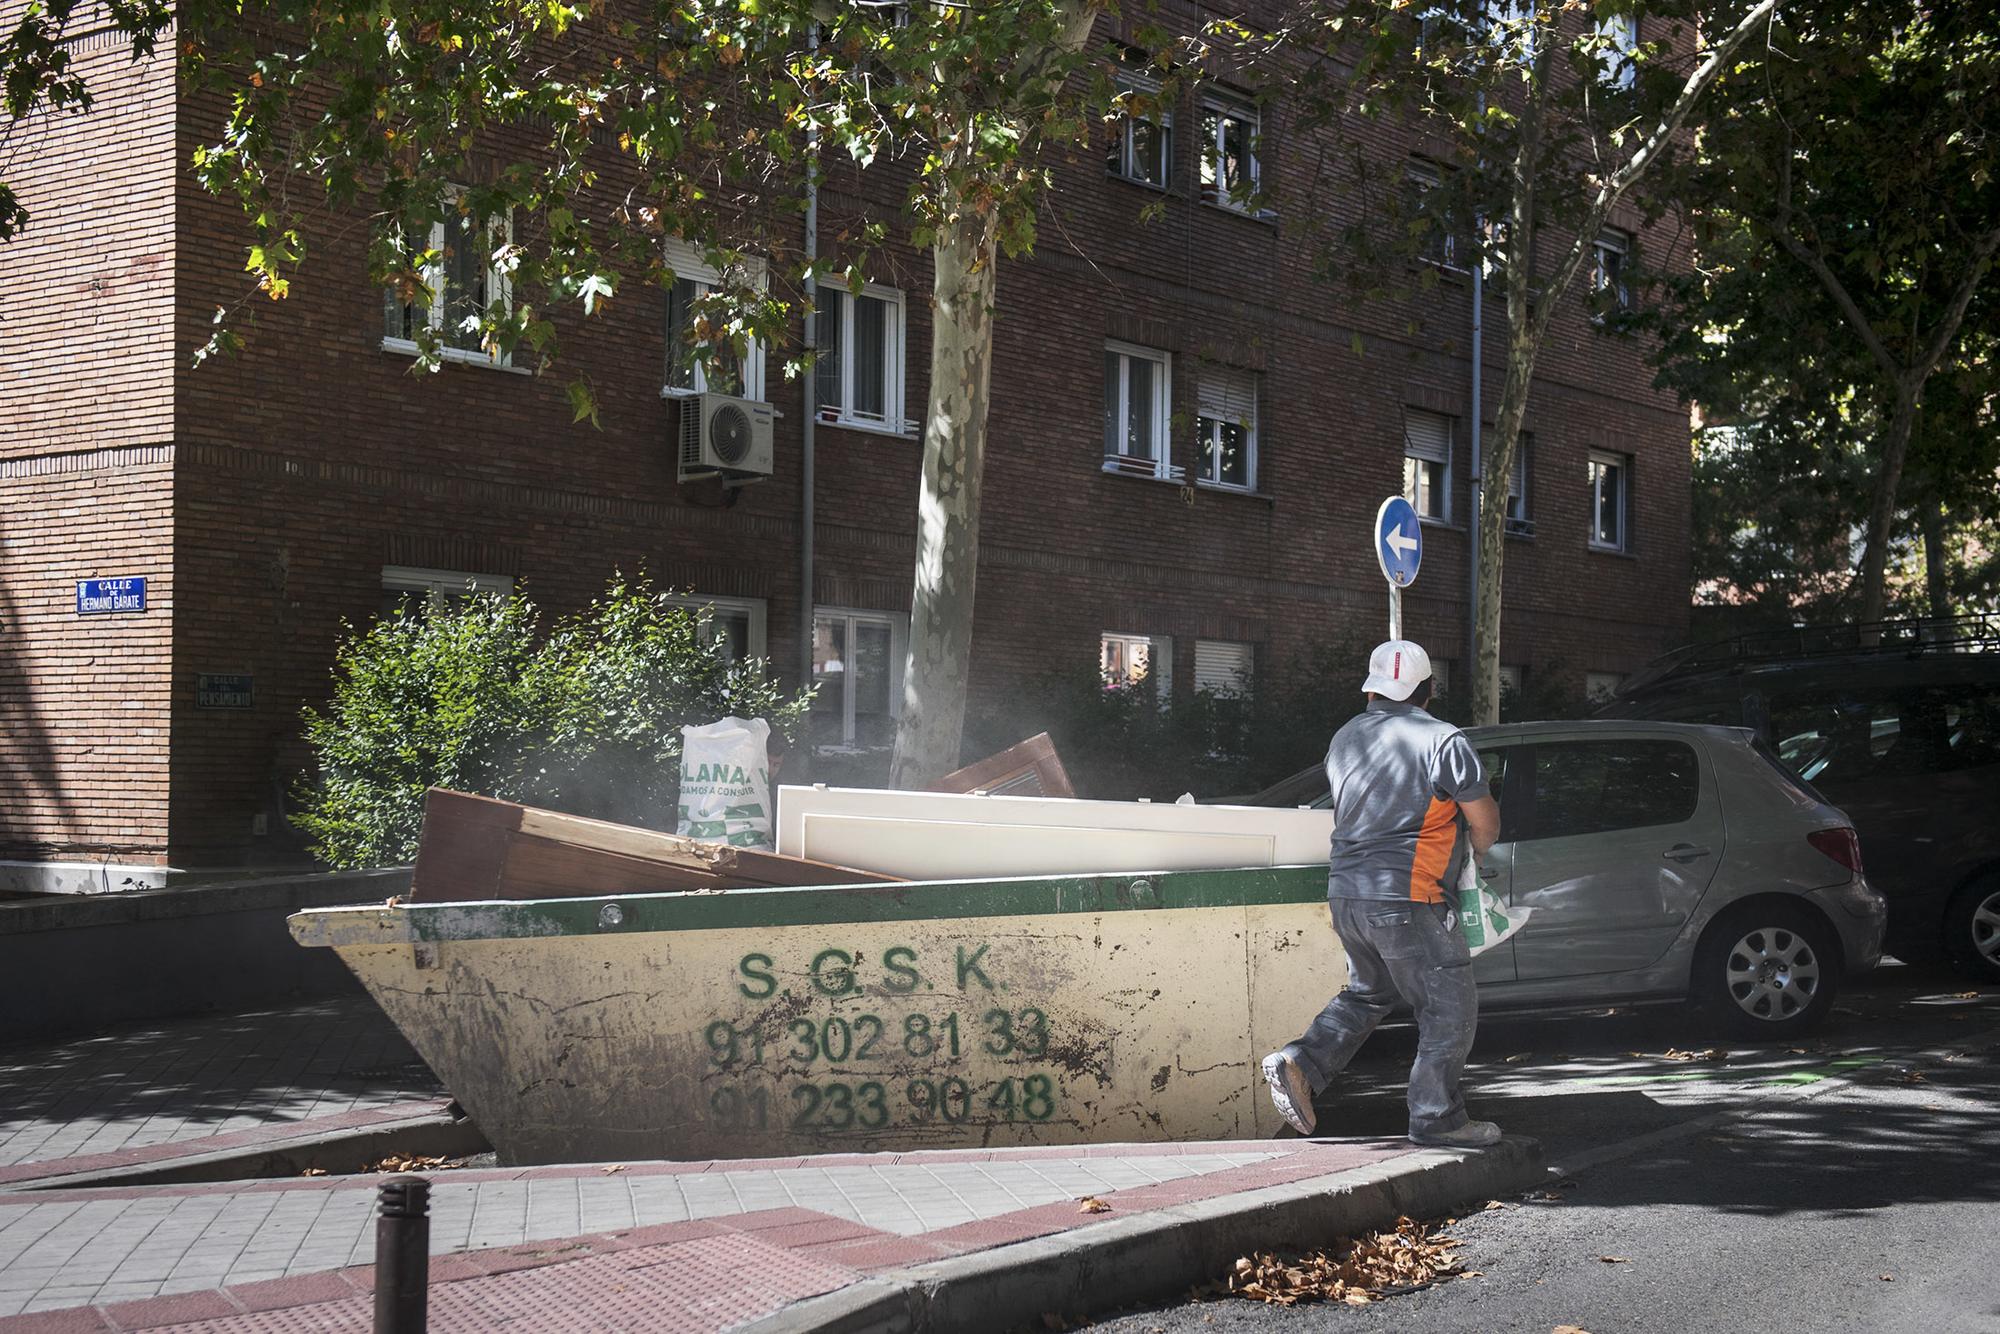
<point x="767" y="1022"/>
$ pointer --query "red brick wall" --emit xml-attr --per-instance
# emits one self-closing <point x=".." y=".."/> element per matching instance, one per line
<point x="86" y="467"/>
<point x="314" y="459"/>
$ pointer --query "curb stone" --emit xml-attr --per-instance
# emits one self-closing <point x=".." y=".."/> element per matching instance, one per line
<point x="344" y="1151"/>
<point x="1126" y="1261"/>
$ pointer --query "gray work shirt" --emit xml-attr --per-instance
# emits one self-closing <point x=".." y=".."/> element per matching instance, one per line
<point x="1398" y="776"/>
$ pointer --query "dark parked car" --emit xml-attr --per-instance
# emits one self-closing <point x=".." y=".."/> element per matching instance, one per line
<point x="1899" y="726"/>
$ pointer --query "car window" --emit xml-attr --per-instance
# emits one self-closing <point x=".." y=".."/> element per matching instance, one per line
<point x="1494" y="760"/>
<point x="1839" y="736"/>
<point x="1593" y="787"/>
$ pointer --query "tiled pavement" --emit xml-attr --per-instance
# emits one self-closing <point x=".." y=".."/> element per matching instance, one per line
<point x="696" y="1246"/>
<point x="682" y="1246"/>
<point x="141" y="1087"/>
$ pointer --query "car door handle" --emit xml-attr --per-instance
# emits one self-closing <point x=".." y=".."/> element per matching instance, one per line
<point x="1684" y="853"/>
<point x="1489" y="873"/>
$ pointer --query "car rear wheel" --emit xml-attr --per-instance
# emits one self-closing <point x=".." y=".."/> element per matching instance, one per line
<point x="1972" y="929"/>
<point x="1767" y="970"/>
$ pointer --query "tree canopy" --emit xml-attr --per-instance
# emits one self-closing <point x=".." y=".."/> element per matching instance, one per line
<point x="1842" y="312"/>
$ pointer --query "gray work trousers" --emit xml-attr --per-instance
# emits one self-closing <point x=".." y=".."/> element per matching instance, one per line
<point x="1416" y="953"/>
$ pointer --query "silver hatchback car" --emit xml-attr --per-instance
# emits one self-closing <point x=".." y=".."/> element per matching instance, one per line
<point x="1664" y="861"/>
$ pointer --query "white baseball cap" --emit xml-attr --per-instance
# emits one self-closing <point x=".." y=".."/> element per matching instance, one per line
<point x="1396" y="669"/>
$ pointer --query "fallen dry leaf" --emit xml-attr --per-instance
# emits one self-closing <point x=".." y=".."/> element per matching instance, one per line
<point x="313" y="1172"/>
<point x="613" y="1167"/>
<point x="1909" y="1077"/>
<point x="1569" y="1329"/>
<point x="1614" y="1259"/>
<point x="1705" y="1054"/>
<point x="411" y="1162"/>
<point x="1090" y="1204"/>
<point x="1498" y="1204"/>
<point x="396" y="901"/>
<point x="1519" y="1057"/>
<point x="1965" y="995"/>
<point x="1888" y="1278"/>
<point x="1355" y="1271"/>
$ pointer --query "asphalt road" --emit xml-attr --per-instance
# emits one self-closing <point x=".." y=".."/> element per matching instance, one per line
<point x="1847" y="1182"/>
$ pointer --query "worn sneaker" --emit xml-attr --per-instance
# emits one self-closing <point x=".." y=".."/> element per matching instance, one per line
<point x="1290" y="1093"/>
<point x="1471" y="1135"/>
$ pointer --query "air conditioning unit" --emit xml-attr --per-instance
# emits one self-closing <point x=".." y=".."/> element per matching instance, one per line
<point x="725" y="437"/>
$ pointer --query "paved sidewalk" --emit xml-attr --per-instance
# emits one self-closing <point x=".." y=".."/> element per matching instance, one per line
<point x="671" y="1246"/>
<point x="142" y="1087"/>
<point x="682" y="1246"/>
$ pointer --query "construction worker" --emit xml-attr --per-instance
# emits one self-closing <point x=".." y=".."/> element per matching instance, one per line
<point x="1410" y="804"/>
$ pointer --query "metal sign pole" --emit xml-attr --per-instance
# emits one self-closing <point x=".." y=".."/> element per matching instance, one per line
<point x="1395" y="612"/>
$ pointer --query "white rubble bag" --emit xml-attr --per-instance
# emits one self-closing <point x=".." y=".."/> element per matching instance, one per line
<point x="726" y="782"/>
<point x="1484" y="919"/>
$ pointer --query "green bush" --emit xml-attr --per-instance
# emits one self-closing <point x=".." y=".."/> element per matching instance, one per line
<point x="472" y="696"/>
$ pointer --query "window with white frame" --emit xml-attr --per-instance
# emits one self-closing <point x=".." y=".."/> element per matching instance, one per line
<point x="1602" y="687"/>
<point x="1230" y="150"/>
<point x="1223" y="666"/>
<point x="417" y="590"/>
<point x="1142" y="142"/>
<point x="1226" y="428"/>
<point x="1137" y="392"/>
<point x="738" y="624"/>
<point x="1427" y="464"/>
<point x="1520" y="517"/>
<point x="1126" y="660"/>
<point x="858" y="672"/>
<point x="1610" y="485"/>
<point x="1441" y="669"/>
<point x="701" y="358"/>
<point x="1607" y="271"/>
<point x="460" y="284"/>
<point x="1513" y="677"/>
<point x="858" y="370"/>
<point x="1616" y="58"/>
<point x="1440" y="244"/>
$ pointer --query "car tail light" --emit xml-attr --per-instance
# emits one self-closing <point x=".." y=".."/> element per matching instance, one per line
<point x="1839" y="844"/>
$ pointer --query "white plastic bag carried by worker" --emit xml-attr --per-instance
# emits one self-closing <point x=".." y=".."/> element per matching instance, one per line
<point x="726" y="782"/>
<point x="1484" y="919"/>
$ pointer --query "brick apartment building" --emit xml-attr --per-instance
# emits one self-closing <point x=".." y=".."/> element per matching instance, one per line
<point x="268" y="499"/>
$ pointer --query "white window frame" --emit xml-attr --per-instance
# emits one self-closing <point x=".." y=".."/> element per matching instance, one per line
<point x="438" y="586"/>
<point x="754" y="609"/>
<point x="895" y="339"/>
<point x="1523" y="523"/>
<point x="899" y="648"/>
<point x="1426" y="177"/>
<point x="1125" y="168"/>
<point x="1241" y="679"/>
<point x="1215" y="386"/>
<point x="1214" y="190"/>
<point x="687" y="264"/>
<point x="1159" y="659"/>
<point x="499" y="287"/>
<point x="1616" y="63"/>
<point x="1414" y="452"/>
<point x="1131" y="465"/>
<point x="1623" y="463"/>
<point x="1514" y="677"/>
<point x="1610" y="241"/>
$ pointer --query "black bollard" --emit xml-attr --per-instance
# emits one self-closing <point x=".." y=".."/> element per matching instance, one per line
<point x="403" y="1256"/>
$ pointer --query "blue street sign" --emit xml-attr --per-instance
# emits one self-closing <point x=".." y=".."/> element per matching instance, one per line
<point x="97" y="596"/>
<point x="1399" y="541"/>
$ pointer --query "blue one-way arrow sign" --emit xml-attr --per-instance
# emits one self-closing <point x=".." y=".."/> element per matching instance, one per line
<point x="1399" y="541"/>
